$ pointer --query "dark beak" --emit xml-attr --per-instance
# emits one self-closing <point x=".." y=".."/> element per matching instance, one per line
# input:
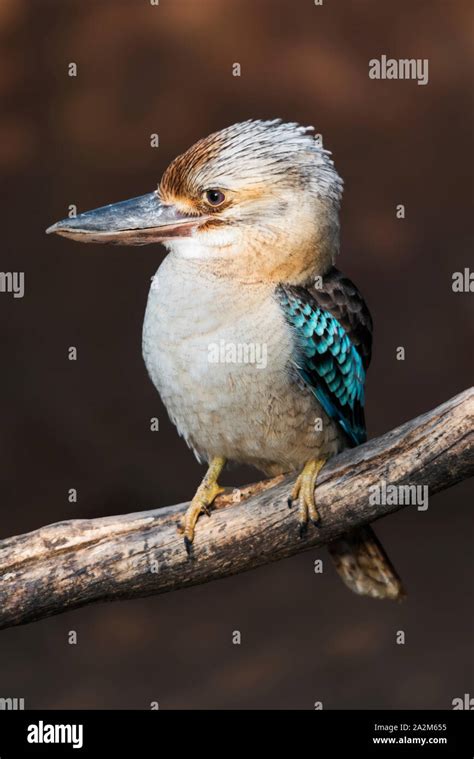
<point x="132" y="222"/>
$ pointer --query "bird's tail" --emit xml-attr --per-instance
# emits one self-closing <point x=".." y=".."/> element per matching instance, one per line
<point x="364" y="566"/>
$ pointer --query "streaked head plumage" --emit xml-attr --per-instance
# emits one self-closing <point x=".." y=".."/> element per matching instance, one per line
<point x="253" y="155"/>
<point x="271" y="197"/>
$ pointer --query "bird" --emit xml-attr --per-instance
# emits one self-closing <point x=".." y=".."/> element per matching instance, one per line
<point x="258" y="345"/>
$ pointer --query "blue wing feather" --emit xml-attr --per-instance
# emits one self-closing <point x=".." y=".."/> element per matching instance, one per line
<point x="327" y="360"/>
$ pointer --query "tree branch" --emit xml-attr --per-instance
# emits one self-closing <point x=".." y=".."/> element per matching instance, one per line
<point x="70" y="564"/>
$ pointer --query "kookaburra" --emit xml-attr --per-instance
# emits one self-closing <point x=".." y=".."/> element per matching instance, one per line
<point x="249" y="217"/>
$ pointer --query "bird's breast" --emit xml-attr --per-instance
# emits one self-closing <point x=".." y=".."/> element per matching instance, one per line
<point x="219" y="354"/>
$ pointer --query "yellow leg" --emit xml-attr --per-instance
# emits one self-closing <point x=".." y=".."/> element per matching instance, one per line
<point x="303" y="492"/>
<point x="207" y="491"/>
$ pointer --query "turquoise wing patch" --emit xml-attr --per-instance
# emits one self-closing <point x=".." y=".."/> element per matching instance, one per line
<point x="327" y="360"/>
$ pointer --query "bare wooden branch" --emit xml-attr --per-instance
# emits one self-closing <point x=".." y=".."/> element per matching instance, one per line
<point x="70" y="564"/>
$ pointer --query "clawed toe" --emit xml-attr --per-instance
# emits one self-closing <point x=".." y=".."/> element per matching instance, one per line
<point x="205" y="495"/>
<point x="304" y="493"/>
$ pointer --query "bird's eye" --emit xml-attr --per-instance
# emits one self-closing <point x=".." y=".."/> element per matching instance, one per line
<point x="214" y="197"/>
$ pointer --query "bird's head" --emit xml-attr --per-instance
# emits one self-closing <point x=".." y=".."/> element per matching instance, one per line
<point x="256" y="201"/>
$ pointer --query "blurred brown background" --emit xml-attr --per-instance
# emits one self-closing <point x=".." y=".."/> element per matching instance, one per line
<point x="85" y="424"/>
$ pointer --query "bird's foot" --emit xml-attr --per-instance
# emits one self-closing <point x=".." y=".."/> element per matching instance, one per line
<point x="303" y="492"/>
<point x="205" y="495"/>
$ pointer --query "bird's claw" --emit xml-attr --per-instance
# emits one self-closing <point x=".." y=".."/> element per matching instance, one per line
<point x="303" y="493"/>
<point x="188" y="544"/>
<point x="302" y="529"/>
<point x="205" y="495"/>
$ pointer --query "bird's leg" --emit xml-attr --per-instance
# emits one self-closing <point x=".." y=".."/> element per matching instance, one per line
<point x="303" y="491"/>
<point x="207" y="491"/>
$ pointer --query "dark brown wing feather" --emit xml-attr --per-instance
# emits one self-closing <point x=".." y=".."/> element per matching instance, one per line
<point x="342" y="299"/>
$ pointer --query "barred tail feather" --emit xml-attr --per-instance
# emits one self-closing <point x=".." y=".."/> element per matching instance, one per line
<point x="364" y="567"/>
